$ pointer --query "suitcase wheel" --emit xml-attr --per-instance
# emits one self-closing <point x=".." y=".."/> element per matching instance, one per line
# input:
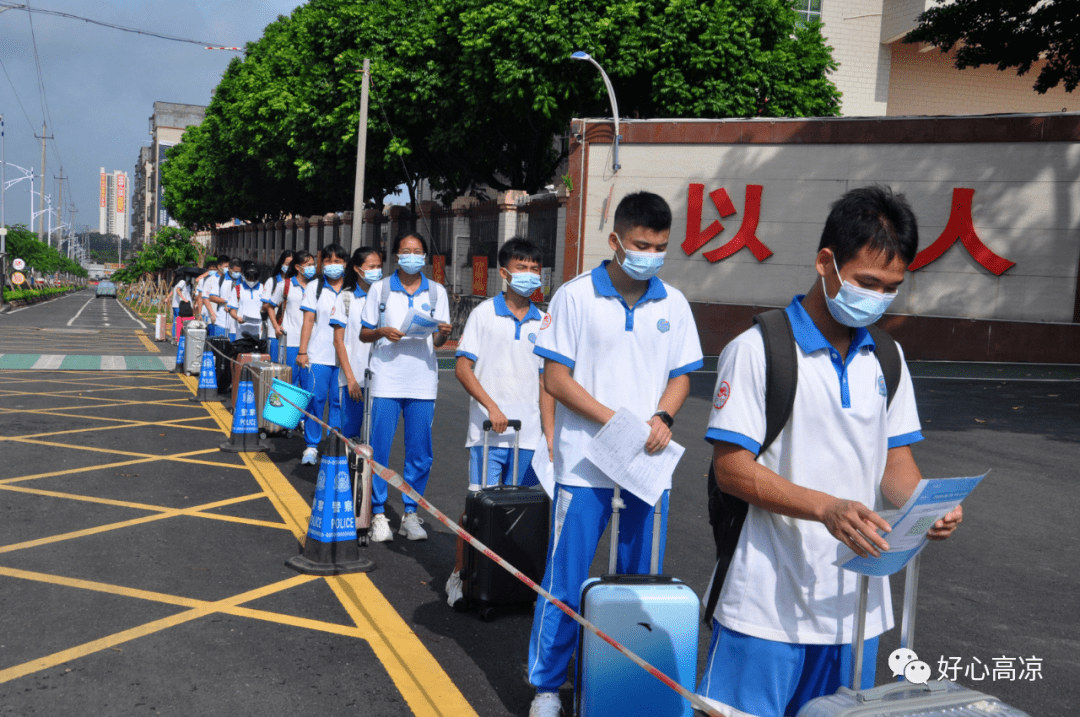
<point x="487" y="613"/>
<point x="362" y="540"/>
<point x="262" y="435"/>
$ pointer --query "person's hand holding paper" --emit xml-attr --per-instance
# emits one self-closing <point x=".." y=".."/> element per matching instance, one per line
<point x="619" y="449"/>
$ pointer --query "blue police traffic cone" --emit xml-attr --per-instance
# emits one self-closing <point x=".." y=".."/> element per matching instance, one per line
<point x="179" y="368"/>
<point x="245" y="425"/>
<point x="330" y="547"/>
<point x="207" y="377"/>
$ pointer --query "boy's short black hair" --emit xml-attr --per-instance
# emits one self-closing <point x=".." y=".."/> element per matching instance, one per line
<point x="874" y="217"/>
<point x="520" y="249"/>
<point x="235" y="264"/>
<point x="250" y="271"/>
<point x="642" y="209"/>
<point x="223" y="259"/>
<point x="405" y="235"/>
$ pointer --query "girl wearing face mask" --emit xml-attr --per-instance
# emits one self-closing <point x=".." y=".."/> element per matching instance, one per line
<point x="245" y="302"/>
<point x="405" y="376"/>
<point x="290" y="294"/>
<point x="363" y="269"/>
<point x="277" y="276"/>
<point x="316" y="353"/>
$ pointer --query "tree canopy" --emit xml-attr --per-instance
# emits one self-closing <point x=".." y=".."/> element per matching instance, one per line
<point x="170" y="248"/>
<point x="468" y="92"/>
<point x="1009" y="33"/>
<point x="23" y="244"/>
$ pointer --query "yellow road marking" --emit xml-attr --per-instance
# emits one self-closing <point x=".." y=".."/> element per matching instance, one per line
<point x="172" y="513"/>
<point x="88" y="648"/>
<point x="119" y="464"/>
<point x="175" y="457"/>
<point x="119" y="423"/>
<point x="147" y="342"/>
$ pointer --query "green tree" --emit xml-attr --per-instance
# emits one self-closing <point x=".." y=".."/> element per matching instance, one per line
<point x="170" y="248"/>
<point x="1009" y="33"/>
<point x="470" y="92"/>
<point x="23" y="244"/>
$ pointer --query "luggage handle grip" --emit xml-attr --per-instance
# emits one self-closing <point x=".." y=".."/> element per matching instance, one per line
<point x="515" y="424"/>
<point x="882" y="691"/>
<point x="652" y="578"/>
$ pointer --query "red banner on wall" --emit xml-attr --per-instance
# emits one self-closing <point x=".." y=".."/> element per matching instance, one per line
<point x="479" y="275"/>
<point x="438" y="268"/>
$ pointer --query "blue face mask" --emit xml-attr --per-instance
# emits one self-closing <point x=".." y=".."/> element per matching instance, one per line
<point x="308" y="272"/>
<point x="641" y="265"/>
<point x="855" y="306"/>
<point x="235" y="275"/>
<point x="372" y="275"/>
<point x="524" y="283"/>
<point x="411" y="263"/>
<point x="333" y="271"/>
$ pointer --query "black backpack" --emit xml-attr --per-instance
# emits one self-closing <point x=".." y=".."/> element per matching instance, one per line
<point x="726" y="512"/>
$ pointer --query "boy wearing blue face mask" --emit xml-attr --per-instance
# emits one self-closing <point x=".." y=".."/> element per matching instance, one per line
<point x="785" y="616"/>
<point x="497" y="367"/>
<point x="617" y="337"/>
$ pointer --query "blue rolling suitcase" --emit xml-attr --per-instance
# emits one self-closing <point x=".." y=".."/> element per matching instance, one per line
<point x="656" y="617"/>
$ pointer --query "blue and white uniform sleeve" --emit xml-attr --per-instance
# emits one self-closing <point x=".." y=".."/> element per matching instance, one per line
<point x="267" y="295"/>
<point x="337" y="316"/>
<point x="738" y="398"/>
<point x="369" y="318"/>
<point x="903" y="415"/>
<point x="309" y="303"/>
<point x="233" y="302"/>
<point x="469" y="345"/>
<point x="558" y="337"/>
<point x="685" y="351"/>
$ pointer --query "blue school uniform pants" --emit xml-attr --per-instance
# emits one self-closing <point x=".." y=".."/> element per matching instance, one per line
<point x="418" y="414"/>
<point x="352" y="413"/>
<point x="571" y="550"/>
<point x="500" y="466"/>
<point x="324" y="380"/>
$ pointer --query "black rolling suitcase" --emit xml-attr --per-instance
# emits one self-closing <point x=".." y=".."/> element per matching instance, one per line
<point x="513" y="521"/>
<point x="223" y="351"/>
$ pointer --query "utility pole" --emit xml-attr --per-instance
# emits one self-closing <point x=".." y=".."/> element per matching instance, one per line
<point x="3" y="216"/>
<point x="361" y="160"/>
<point x="41" y="200"/>
<point x="59" y="206"/>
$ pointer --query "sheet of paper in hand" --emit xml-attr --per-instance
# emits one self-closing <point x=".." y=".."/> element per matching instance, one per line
<point x="418" y="324"/>
<point x="618" y="449"/>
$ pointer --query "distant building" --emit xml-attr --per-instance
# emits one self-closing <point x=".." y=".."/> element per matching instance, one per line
<point x="142" y="198"/>
<point x="113" y="204"/>
<point x="881" y="75"/>
<point x="167" y="126"/>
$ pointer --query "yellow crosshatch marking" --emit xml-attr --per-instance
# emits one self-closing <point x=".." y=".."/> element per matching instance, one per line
<point x="422" y="682"/>
<point x="150" y="345"/>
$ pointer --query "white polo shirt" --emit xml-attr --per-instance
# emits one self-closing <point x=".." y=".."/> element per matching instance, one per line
<point x="293" y="318"/>
<point x="203" y="290"/>
<point x="406" y="369"/>
<point x="320" y="348"/>
<point x="350" y="318"/>
<point x="180" y="292"/>
<point x="623" y="357"/>
<point x="222" y="288"/>
<point x="502" y="349"/>
<point x="247" y="302"/>
<point x="781" y="584"/>
<point x="267" y="297"/>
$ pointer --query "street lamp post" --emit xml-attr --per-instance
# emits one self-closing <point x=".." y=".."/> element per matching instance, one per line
<point x="579" y="55"/>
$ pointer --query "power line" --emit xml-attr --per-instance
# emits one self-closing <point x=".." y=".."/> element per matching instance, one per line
<point x="27" y="116"/>
<point x="43" y="96"/>
<point x="148" y="33"/>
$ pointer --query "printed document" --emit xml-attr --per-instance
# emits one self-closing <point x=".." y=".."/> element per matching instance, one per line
<point x="618" y="450"/>
<point x="544" y="469"/>
<point x="932" y="499"/>
<point x="419" y="324"/>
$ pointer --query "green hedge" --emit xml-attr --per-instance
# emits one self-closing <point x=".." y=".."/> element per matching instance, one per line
<point x="21" y="294"/>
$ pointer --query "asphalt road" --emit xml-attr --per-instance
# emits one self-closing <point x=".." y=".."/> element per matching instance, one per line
<point x="1001" y="594"/>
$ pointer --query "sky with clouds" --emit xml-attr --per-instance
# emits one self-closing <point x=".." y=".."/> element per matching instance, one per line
<point x="100" y="84"/>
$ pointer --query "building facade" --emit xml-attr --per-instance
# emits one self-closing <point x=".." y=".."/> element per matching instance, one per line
<point x="113" y="204"/>
<point x="142" y="199"/>
<point x="167" y="126"/>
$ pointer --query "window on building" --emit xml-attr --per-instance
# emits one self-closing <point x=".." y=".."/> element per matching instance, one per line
<point x="808" y="10"/>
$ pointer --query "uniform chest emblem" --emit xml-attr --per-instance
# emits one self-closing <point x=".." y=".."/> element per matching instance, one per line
<point x="333" y="310"/>
<point x="723" y="393"/>
<point x="546" y="322"/>
<point x="426" y="307"/>
<point x="532" y="337"/>
<point x="881" y="387"/>
<point x="663" y="325"/>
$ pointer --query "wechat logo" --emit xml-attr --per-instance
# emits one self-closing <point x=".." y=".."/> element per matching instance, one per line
<point x="904" y="662"/>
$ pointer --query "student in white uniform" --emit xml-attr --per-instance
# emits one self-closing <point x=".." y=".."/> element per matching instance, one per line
<point x="363" y="269"/>
<point x="269" y="287"/>
<point x="406" y="376"/>
<point x="618" y="337"/>
<point x="181" y="292"/>
<point x="785" y="618"/>
<point x="218" y="296"/>
<point x="317" y="354"/>
<point x="497" y="367"/>
<point x="290" y="295"/>
<point x="208" y="288"/>
<point x="245" y="302"/>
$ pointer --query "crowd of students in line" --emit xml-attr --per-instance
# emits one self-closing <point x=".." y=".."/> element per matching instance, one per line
<point x="619" y="337"/>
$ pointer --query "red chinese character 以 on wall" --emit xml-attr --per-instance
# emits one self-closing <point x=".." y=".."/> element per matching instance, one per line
<point x="745" y="237"/>
<point x="960" y="226"/>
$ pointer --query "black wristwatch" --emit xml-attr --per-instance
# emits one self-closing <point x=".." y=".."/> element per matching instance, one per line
<point x="666" y="418"/>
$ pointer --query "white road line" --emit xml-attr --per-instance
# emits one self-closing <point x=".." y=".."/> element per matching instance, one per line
<point x="69" y="323"/>
<point x="113" y="363"/>
<point x="140" y="323"/>
<point x="49" y="362"/>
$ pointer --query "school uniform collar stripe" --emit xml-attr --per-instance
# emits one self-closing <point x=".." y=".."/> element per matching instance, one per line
<point x="396" y="285"/>
<point x="604" y="287"/>
<point x="358" y="292"/>
<point x="809" y="337"/>
<point x="501" y="309"/>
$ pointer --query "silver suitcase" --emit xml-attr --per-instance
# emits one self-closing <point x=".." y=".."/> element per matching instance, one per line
<point x="937" y="698"/>
<point x="194" y="338"/>
<point x="263" y="374"/>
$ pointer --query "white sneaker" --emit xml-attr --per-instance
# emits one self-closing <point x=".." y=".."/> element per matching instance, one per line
<point x="455" y="598"/>
<point x="310" y="457"/>
<point x="410" y="527"/>
<point x="380" y="529"/>
<point x="546" y="704"/>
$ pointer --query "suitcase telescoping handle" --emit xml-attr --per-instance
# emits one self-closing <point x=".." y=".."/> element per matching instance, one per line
<point x="907" y="624"/>
<point x="617" y="505"/>
<point x="516" y="425"/>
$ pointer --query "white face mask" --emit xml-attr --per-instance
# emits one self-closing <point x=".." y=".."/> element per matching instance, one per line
<point x="855" y="306"/>
<point x="641" y="265"/>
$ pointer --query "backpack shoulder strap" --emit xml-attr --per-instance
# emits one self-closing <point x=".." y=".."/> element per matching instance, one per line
<point x="781" y="372"/>
<point x="888" y="356"/>
<point x="384" y="296"/>
<point x="285" y="290"/>
<point x="433" y="297"/>
<point x="346" y="300"/>
<point x="237" y="287"/>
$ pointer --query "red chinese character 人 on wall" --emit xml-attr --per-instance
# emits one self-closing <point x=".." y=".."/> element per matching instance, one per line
<point x="960" y="226"/>
<point x="746" y="236"/>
